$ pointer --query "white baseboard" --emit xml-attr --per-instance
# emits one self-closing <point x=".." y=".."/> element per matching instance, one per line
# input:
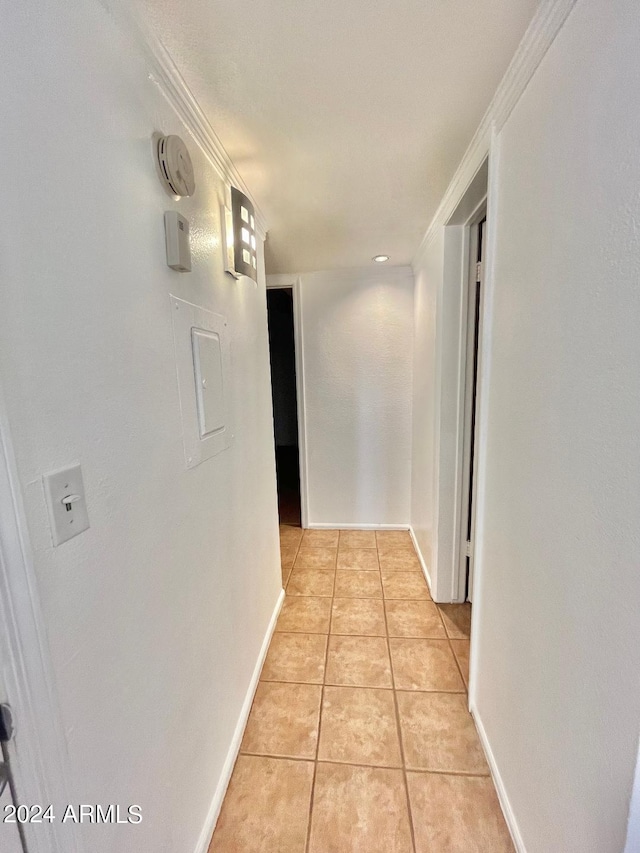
<point x="338" y="526"/>
<point x="509" y="816"/>
<point x="221" y="789"/>
<point x="423" y="564"/>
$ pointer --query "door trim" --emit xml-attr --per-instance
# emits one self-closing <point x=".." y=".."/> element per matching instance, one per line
<point x="37" y="753"/>
<point x="465" y="490"/>
<point x="281" y="282"/>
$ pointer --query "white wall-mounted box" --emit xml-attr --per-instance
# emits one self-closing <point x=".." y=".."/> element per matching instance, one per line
<point x="176" y="233"/>
<point x="203" y="368"/>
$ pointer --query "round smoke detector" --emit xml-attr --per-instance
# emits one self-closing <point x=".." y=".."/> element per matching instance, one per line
<point x="176" y="168"/>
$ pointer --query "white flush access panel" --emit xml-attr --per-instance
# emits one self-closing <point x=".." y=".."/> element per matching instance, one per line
<point x="203" y="366"/>
<point x="207" y="363"/>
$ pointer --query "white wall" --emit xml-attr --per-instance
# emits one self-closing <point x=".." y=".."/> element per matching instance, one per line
<point x="357" y="331"/>
<point x="156" y="615"/>
<point x="557" y="630"/>
<point x="556" y="634"/>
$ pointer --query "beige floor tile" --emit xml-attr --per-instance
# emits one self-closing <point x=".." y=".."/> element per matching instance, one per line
<point x="266" y="807"/>
<point x="305" y="614"/>
<point x="461" y="651"/>
<point x="358" y="725"/>
<point x="457" y="814"/>
<point x="424" y="665"/>
<point x="320" y="538"/>
<point x="295" y="657"/>
<point x="405" y="585"/>
<point x="400" y="561"/>
<point x="395" y="538"/>
<point x="357" y="539"/>
<point x="413" y="619"/>
<point x="439" y="734"/>
<point x="284" y="720"/>
<point x="310" y="582"/>
<point x="287" y="556"/>
<point x="362" y="616"/>
<point x="393" y="547"/>
<point x="316" y="558"/>
<point x="358" y="661"/>
<point x="286" y="574"/>
<point x="457" y="620"/>
<point x="290" y="536"/>
<point x="357" y="584"/>
<point x="365" y="559"/>
<point x="359" y="810"/>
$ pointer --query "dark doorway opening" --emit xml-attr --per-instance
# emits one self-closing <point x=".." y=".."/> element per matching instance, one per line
<point x="285" y="405"/>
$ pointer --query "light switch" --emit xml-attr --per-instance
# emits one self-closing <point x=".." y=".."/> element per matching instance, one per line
<point x="64" y="491"/>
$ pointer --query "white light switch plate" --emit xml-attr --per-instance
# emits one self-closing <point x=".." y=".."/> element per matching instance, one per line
<point x="70" y="518"/>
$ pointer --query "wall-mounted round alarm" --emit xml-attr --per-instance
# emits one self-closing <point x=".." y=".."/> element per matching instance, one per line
<point x="175" y="166"/>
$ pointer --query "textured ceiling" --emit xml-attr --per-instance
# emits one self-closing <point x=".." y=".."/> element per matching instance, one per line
<point x="346" y="118"/>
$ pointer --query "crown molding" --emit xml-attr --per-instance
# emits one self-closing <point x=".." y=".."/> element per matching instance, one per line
<point x="165" y="73"/>
<point x="542" y="31"/>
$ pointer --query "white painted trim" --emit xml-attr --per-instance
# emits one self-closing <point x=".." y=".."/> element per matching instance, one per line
<point x="39" y="765"/>
<point x="461" y="471"/>
<point x="421" y="559"/>
<point x="482" y="407"/>
<point x="505" y="804"/>
<point x="544" y="27"/>
<point x="464" y="403"/>
<point x="277" y="282"/>
<point x="221" y="789"/>
<point x="326" y="525"/>
<point x="170" y="81"/>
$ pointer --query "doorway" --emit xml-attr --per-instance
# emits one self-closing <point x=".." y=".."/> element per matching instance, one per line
<point x="477" y="241"/>
<point x="282" y="348"/>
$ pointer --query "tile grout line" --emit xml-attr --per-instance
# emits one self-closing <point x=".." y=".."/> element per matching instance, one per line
<point x="303" y="760"/>
<point x="361" y="686"/>
<point x="398" y="726"/>
<point x="324" y="677"/>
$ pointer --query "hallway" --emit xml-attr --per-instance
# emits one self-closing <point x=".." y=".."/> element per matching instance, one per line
<point x="316" y="318"/>
<point x="359" y="738"/>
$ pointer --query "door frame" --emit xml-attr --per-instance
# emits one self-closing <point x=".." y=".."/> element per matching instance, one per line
<point x="283" y="282"/>
<point x="469" y="402"/>
<point x="449" y="360"/>
<point x="37" y="753"/>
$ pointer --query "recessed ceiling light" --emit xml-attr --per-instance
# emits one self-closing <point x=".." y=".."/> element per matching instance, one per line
<point x="380" y="259"/>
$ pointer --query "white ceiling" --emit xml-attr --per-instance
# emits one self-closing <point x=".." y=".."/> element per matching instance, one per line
<point x="346" y="118"/>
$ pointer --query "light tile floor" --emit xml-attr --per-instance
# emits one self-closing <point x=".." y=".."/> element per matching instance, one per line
<point x="359" y="738"/>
